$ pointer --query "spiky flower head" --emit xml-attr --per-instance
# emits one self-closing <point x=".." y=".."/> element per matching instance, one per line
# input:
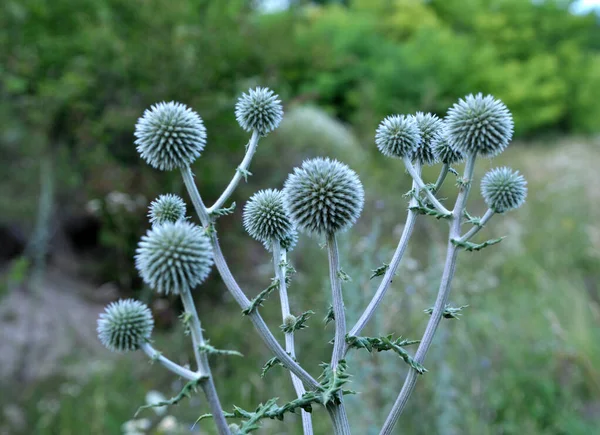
<point x="166" y="208"/>
<point x="398" y="136"/>
<point x="503" y="189"/>
<point x="265" y="217"/>
<point x="170" y="135"/>
<point x="125" y="325"/>
<point x="445" y="151"/>
<point x="174" y="256"/>
<point x="323" y="196"/>
<point x="481" y="125"/>
<point x="260" y="109"/>
<point x="430" y="127"/>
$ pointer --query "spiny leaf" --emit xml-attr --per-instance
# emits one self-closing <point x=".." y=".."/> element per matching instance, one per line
<point x="299" y="323"/>
<point x="380" y="271"/>
<point x="468" y="246"/>
<point x="186" y="391"/>
<point x="330" y="316"/>
<point x="343" y="276"/>
<point x="245" y="173"/>
<point x="332" y="383"/>
<point x="224" y="211"/>
<point x="449" y="312"/>
<point x="384" y="343"/>
<point x="210" y="350"/>
<point x="261" y="297"/>
<point x="269" y="365"/>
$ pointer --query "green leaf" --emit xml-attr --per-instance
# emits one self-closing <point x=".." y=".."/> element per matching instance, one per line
<point x="470" y="247"/>
<point x="380" y="271"/>
<point x="187" y="391"/>
<point x="269" y="365"/>
<point x="224" y="211"/>
<point x="299" y="323"/>
<point x="261" y="297"/>
<point x="449" y="312"/>
<point x="343" y="276"/>
<point x="210" y="350"/>
<point x="330" y="316"/>
<point x="384" y="343"/>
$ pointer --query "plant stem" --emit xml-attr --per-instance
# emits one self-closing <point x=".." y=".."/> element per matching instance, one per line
<point x="207" y="384"/>
<point x="337" y="412"/>
<point x="170" y="365"/>
<point x="250" y="150"/>
<point x="236" y="291"/>
<point x="441" y="178"/>
<point x="279" y="263"/>
<point x="417" y="178"/>
<point x="440" y="303"/>
<point x="486" y="217"/>
<point x="392" y="268"/>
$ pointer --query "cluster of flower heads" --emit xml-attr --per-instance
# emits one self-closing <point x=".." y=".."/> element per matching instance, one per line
<point x="476" y="125"/>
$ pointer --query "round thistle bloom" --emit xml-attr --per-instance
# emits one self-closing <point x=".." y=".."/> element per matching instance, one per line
<point x="265" y="217"/>
<point x="170" y="136"/>
<point x="503" y="189"/>
<point x="166" y="208"/>
<point x="445" y="151"/>
<point x="430" y="127"/>
<point x="125" y="325"/>
<point x="260" y="109"/>
<point x="323" y="196"/>
<point x="397" y="136"/>
<point x="481" y="125"/>
<point x="174" y="256"/>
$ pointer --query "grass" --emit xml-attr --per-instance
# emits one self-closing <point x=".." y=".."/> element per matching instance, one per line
<point x="524" y="358"/>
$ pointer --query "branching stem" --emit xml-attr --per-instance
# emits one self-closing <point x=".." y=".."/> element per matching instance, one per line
<point x="484" y="220"/>
<point x="440" y="303"/>
<point x="421" y="185"/>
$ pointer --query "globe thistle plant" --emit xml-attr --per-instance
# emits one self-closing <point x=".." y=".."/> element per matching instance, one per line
<point x="265" y="217"/>
<point x="430" y="129"/>
<point x="398" y="136"/>
<point x="170" y="136"/>
<point x="166" y="208"/>
<point x="503" y="189"/>
<point x="259" y="110"/>
<point x="323" y="196"/>
<point x="174" y="256"/>
<point x="445" y="151"/>
<point x="479" y="124"/>
<point x="125" y="325"/>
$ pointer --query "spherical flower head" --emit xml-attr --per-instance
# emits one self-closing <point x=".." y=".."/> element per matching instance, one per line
<point x="174" y="256"/>
<point x="170" y="136"/>
<point x="323" y="196"/>
<point x="265" y="217"/>
<point x="445" y="151"/>
<point x="481" y="125"/>
<point x="503" y="189"/>
<point x="260" y="110"/>
<point x="430" y="127"/>
<point x="398" y="136"/>
<point x="166" y="208"/>
<point x="125" y="325"/>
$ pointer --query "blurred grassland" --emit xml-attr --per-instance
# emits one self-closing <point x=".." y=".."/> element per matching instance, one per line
<point x="525" y="357"/>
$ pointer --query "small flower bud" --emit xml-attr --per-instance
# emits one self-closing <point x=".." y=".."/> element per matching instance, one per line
<point x="397" y="136"/>
<point x="289" y="321"/>
<point x="125" y="325"/>
<point x="265" y="217"/>
<point x="166" y="208"/>
<point x="260" y="110"/>
<point x="323" y="196"/>
<point x="174" y="256"/>
<point x="503" y="189"/>
<point x="170" y="136"/>
<point x="430" y="128"/>
<point x="480" y="124"/>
